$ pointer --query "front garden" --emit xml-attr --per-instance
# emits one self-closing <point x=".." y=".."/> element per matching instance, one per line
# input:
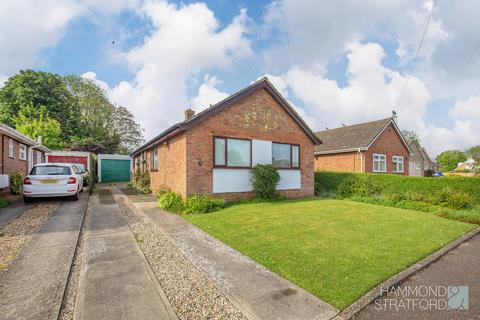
<point x="338" y="250"/>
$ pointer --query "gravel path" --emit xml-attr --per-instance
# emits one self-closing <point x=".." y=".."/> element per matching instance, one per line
<point x="68" y="304"/>
<point x="191" y="293"/>
<point x="14" y="235"/>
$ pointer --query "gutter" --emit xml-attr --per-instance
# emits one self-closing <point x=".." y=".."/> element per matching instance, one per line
<point x="341" y="151"/>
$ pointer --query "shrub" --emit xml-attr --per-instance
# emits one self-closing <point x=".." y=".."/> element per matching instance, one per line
<point x="140" y="182"/>
<point x="202" y="204"/>
<point x="361" y="186"/>
<point x="265" y="178"/>
<point x="453" y="199"/>
<point x="16" y="182"/>
<point x="171" y="201"/>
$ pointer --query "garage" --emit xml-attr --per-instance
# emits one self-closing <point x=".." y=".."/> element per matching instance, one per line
<point x="114" y="168"/>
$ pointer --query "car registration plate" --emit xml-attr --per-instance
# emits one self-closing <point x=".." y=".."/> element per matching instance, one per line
<point x="49" y="181"/>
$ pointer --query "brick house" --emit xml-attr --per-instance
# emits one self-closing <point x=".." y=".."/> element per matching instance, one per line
<point x="416" y="165"/>
<point x="376" y="146"/>
<point x="211" y="153"/>
<point x="18" y="153"/>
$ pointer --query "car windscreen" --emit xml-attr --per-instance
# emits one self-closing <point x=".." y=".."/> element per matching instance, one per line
<point x="51" y="171"/>
<point x="81" y="168"/>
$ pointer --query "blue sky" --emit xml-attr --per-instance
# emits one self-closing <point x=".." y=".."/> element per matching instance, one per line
<point x="335" y="61"/>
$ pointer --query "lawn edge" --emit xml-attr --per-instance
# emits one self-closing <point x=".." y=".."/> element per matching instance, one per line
<point x="400" y="277"/>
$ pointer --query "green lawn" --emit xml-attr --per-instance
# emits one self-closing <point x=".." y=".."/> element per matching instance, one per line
<point x="337" y="250"/>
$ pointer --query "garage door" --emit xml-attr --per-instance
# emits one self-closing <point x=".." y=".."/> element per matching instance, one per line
<point x="115" y="170"/>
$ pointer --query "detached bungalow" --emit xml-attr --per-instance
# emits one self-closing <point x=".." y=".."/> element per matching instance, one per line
<point x="376" y="146"/>
<point x="420" y="162"/>
<point x="211" y="153"/>
<point x="17" y="153"/>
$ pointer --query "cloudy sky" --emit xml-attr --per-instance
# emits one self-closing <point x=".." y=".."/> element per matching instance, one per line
<point x="338" y="62"/>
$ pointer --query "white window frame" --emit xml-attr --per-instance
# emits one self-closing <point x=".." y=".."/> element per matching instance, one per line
<point x="11" y="152"/>
<point x="22" y="152"/>
<point x="384" y="160"/>
<point x="398" y="160"/>
<point x="418" y="167"/>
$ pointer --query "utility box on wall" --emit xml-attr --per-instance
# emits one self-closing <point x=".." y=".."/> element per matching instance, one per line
<point x="4" y="181"/>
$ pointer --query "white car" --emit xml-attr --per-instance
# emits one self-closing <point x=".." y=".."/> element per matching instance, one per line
<point x="53" y="180"/>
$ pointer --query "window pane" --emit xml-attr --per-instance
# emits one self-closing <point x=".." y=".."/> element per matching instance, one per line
<point x="295" y="156"/>
<point x="220" y="152"/>
<point x="238" y="153"/>
<point x="281" y="155"/>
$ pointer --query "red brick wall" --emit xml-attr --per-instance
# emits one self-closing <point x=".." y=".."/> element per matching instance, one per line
<point x="390" y="144"/>
<point x="10" y="165"/>
<point x="342" y="162"/>
<point x="171" y="173"/>
<point x="258" y="116"/>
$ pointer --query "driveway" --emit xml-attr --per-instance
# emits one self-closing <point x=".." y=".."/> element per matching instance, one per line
<point x="460" y="267"/>
<point x="33" y="285"/>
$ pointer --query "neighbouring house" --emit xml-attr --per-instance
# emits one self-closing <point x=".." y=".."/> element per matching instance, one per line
<point x="18" y="153"/>
<point x="212" y="152"/>
<point x="417" y="161"/>
<point x="429" y="166"/>
<point x="376" y="146"/>
<point x="466" y="166"/>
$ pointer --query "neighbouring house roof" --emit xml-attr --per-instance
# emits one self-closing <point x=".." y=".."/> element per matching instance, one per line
<point x="354" y="137"/>
<point x="427" y="157"/>
<point x="8" y="131"/>
<point x="222" y="105"/>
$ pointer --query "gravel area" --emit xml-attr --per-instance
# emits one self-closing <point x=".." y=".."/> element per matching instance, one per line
<point x="191" y="293"/>
<point x="68" y="304"/>
<point x="14" y="235"/>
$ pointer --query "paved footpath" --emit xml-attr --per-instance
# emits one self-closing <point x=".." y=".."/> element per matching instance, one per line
<point x="116" y="281"/>
<point x="33" y="285"/>
<point x="256" y="291"/>
<point x="460" y="267"/>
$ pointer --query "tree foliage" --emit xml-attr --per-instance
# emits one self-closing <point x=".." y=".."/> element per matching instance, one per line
<point x="473" y="152"/>
<point x="35" y="122"/>
<point x="88" y="120"/>
<point x="410" y="135"/>
<point x="39" y="89"/>
<point x="449" y="159"/>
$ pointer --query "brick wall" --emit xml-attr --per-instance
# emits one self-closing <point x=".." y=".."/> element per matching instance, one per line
<point x="390" y="144"/>
<point x="342" y="162"/>
<point x="171" y="173"/>
<point x="10" y="165"/>
<point x="258" y="116"/>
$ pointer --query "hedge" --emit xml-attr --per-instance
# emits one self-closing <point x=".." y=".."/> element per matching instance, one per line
<point x="393" y="184"/>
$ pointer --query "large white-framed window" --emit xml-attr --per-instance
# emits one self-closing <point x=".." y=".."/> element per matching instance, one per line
<point x="22" y="152"/>
<point x="232" y="152"/>
<point x="397" y="164"/>
<point x="285" y="155"/>
<point x="379" y="163"/>
<point x="10" y="148"/>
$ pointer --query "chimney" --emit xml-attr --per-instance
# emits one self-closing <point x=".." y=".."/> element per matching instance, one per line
<point x="189" y="113"/>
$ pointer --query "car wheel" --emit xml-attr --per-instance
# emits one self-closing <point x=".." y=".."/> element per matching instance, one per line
<point x="27" y="199"/>
<point x="76" y="196"/>
<point x="81" y="190"/>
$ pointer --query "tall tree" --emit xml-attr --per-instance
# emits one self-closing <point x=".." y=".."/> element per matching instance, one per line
<point x="130" y="132"/>
<point x="35" y="122"/>
<point x="40" y="89"/>
<point x="473" y="152"/>
<point x="449" y="159"/>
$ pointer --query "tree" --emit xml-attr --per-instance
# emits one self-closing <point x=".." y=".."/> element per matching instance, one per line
<point x="473" y="152"/>
<point x="40" y="89"/>
<point x="35" y="122"/>
<point x="449" y="159"/>
<point x="410" y="135"/>
<point x="130" y="132"/>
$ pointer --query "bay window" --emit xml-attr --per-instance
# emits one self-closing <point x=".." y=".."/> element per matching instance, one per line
<point x="397" y="164"/>
<point x="232" y="153"/>
<point x="379" y="163"/>
<point x="285" y="156"/>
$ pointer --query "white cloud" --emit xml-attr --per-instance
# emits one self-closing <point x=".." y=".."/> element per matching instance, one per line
<point x="187" y="39"/>
<point x="208" y="94"/>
